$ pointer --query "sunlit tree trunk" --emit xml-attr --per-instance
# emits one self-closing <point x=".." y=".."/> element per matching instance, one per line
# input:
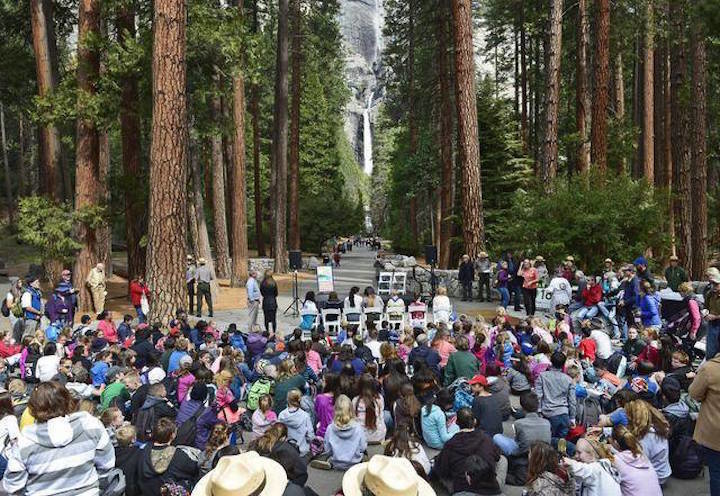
<point x="648" y="126"/>
<point x="167" y="227"/>
<point x="699" y="153"/>
<point x="598" y="131"/>
<point x="446" y="138"/>
<point x="222" y="249"/>
<point x="294" y="155"/>
<point x="552" y="95"/>
<point x="582" y="103"/>
<point x="465" y="101"/>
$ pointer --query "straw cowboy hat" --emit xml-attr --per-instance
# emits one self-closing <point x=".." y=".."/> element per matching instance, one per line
<point x="243" y="475"/>
<point x="482" y="254"/>
<point x="201" y="261"/>
<point x="713" y="275"/>
<point x="385" y="476"/>
<point x="539" y="258"/>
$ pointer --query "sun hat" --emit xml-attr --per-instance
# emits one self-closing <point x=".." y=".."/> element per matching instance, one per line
<point x="539" y="258"/>
<point x="569" y="258"/>
<point x="713" y="275"/>
<point x="479" y="379"/>
<point x="156" y="375"/>
<point x="243" y="475"/>
<point x="384" y="476"/>
<point x="202" y="261"/>
<point x="608" y="260"/>
<point x="482" y="254"/>
<point x="674" y="258"/>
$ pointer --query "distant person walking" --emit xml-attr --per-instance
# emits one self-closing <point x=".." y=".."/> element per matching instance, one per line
<point x="98" y="288"/>
<point x="466" y="275"/>
<point x="203" y="276"/>
<point x="190" y="281"/>
<point x="254" y="296"/>
<point x="31" y="303"/>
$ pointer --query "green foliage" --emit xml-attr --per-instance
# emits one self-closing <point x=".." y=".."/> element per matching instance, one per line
<point x="589" y="217"/>
<point x="48" y="227"/>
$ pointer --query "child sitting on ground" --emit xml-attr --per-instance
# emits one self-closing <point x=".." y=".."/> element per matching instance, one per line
<point x="264" y="416"/>
<point x="345" y="439"/>
<point x="298" y="423"/>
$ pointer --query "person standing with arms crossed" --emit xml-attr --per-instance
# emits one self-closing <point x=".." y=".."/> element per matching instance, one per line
<point x="203" y="276"/>
<point x="96" y="282"/>
<point x="254" y="297"/>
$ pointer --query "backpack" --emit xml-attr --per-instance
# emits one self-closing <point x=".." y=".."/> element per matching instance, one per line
<point x="144" y="422"/>
<point x="613" y="363"/>
<point x="30" y="365"/>
<point x="685" y="457"/>
<point x="16" y="309"/>
<point x="589" y="411"/>
<point x="4" y="308"/>
<point x="259" y="388"/>
<point x="187" y="431"/>
<point x="246" y="421"/>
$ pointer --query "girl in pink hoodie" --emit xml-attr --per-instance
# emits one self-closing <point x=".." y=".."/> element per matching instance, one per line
<point x="637" y="475"/>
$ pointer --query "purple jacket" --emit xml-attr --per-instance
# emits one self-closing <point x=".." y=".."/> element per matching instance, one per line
<point x="256" y="344"/>
<point x="323" y="413"/>
<point x="59" y="308"/>
<point x="205" y="422"/>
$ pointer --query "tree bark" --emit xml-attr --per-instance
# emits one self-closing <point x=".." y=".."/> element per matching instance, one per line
<point x="552" y="95"/>
<point x="24" y="171"/>
<point x="582" y="103"/>
<point x="648" y="129"/>
<point x="167" y="230"/>
<point x="446" y="139"/>
<point x="412" y="118"/>
<point x="104" y="232"/>
<point x="281" y="139"/>
<point x="135" y="212"/>
<point x="87" y="159"/>
<point x="619" y="93"/>
<point x="472" y="213"/>
<point x="203" y="238"/>
<point x="523" y="81"/>
<point x="680" y="132"/>
<point x="602" y="78"/>
<point x="222" y="255"/>
<point x="294" y="155"/>
<point x="659" y="114"/>
<point x="239" y="222"/>
<point x="229" y="162"/>
<point x="255" y="111"/>
<point x="699" y="154"/>
<point x="44" y="45"/>
<point x="6" y="170"/>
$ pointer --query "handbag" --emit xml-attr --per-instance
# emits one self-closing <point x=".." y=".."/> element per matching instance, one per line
<point x="144" y="304"/>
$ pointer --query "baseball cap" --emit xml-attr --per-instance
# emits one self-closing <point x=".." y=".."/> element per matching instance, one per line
<point x="479" y="379"/>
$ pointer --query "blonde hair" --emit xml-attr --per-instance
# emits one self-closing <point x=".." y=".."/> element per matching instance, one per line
<point x="442" y="291"/>
<point x="126" y="435"/>
<point x="597" y="449"/>
<point x="286" y="369"/>
<point x="293" y="398"/>
<point x="686" y="288"/>
<point x="500" y="311"/>
<point x="223" y="378"/>
<point x="642" y="416"/>
<point x="343" y="413"/>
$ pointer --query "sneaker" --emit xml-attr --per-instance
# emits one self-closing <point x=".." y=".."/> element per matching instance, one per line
<point x="321" y="464"/>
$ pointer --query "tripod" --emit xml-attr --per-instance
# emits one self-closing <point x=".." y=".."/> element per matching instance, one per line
<point x="296" y="300"/>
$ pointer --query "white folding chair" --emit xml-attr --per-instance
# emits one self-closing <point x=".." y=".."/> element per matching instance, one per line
<point x="372" y="314"/>
<point x="354" y="319"/>
<point x="332" y="326"/>
<point x="395" y="319"/>
<point x="385" y="283"/>
<point x="399" y="280"/>
<point x="415" y="309"/>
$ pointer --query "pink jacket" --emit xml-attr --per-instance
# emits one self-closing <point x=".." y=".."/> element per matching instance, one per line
<point x="109" y="331"/>
<point x="184" y="385"/>
<point x="695" y="318"/>
<point x="444" y="349"/>
<point x="224" y="397"/>
<point x="314" y="361"/>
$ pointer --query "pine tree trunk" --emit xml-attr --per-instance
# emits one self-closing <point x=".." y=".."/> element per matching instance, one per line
<point x="619" y="93"/>
<point x="136" y="213"/>
<point x="44" y="45"/>
<point x="472" y="213"/>
<point x="598" y="130"/>
<point x="281" y="139"/>
<point x="87" y="150"/>
<point x="238" y="184"/>
<point x="294" y="155"/>
<point x="222" y="248"/>
<point x="104" y="232"/>
<point x="255" y="111"/>
<point x="6" y="170"/>
<point x="446" y="138"/>
<point x="203" y="238"/>
<point x="659" y="113"/>
<point x="167" y="227"/>
<point x="412" y="118"/>
<point x="192" y="229"/>
<point x="523" y="81"/>
<point x="229" y="161"/>
<point x="552" y="95"/>
<point x="582" y="103"/>
<point x="699" y="154"/>
<point x="648" y="129"/>
<point x="680" y="132"/>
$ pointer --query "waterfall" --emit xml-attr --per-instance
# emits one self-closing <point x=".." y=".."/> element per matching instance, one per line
<point x="367" y="137"/>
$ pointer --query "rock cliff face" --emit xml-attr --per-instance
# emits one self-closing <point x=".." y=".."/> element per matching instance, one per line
<point x="361" y="23"/>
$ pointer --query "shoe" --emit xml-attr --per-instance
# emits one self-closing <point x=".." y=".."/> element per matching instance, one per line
<point x="198" y="315"/>
<point x="321" y="464"/>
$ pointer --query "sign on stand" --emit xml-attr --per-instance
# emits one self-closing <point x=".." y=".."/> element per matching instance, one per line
<point x="325" y="281"/>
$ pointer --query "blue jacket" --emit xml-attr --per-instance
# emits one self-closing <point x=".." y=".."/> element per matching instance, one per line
<point x="431" y="357"/>
<point x="631" y="291"/>
<point x="124" y="331"/>
<point x="434" y="427"/>
<point x="650" y="310"/>
<point x="97" y="372"/>
<point x="36" y="303"/>
<point x="237" y="342"/>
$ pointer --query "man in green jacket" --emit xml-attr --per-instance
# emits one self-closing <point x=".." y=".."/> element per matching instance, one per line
<point x="462" y="363"/>
<point x="674" y="274"/>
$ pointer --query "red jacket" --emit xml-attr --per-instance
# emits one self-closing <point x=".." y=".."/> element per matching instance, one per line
<point x="592" y="296"/>
<point x="8" y="350"/>
<point x="136" y="292"/>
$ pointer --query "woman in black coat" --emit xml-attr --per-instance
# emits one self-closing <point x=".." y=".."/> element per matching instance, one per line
<point x="269" y="292"/>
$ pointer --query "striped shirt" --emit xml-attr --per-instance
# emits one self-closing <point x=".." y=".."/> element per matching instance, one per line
<point x="61" y="457"/>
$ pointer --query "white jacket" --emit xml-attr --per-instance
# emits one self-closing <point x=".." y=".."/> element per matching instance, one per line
<point x="595" y="479"/>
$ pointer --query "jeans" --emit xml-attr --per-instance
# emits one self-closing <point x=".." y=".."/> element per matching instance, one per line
<point x="712" y="460"/>
<point x="606" y="313"/>
<point x="584" y="313"/>
<point x="140" y="314"/>
<point x="467" y="290"/>
<point x="711" y="341"/>
<point x="270" y="318"/>
<point x="529" y="296"/>
<point x="515" y="289"/>
<point x="507" y="445"/>
<point x="504" y="297"/>
<point x="203" y="291"/>
<point x="559" y="425"/>
<point x="484" y="283"/>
